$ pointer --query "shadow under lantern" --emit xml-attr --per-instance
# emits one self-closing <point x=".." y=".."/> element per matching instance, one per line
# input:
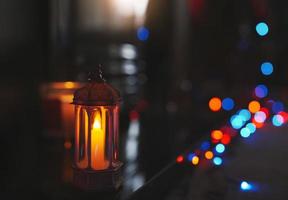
<point x="96" y="162"/>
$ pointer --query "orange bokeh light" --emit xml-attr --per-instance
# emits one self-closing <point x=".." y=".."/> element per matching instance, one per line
<point x="257" y="124"/>
<point x="215" y="104"/>
<point x="209" y="155"/>
<point x="254" y="106"/>
<point x="217" y="135"/>
<point x="195" y="160"/>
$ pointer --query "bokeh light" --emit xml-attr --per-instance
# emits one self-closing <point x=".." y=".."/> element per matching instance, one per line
<point x="257" y="124"/>
<point x="220" y="148"/>
<point x="277" y="120"/>
<point x="251" y="127"/>
<point x="226" y="139"/>
<point x="261" y="91"/>
<point x="236" y="121"/>
<point x="215" y="104"/>
<point x="205" y="145"/>
<point x="260" y="116"/>
<point x="277" y="107"/>
<point x="245" y="114"/>
<point x="216" y="135"/>
<point x="217" y="161"/>
<point x="227" y="104"/>
<point x="190" y="156"/>
<point x="209" y="155"/>
<point x="245" y="132"/>
<point x="180" y="159"/>
<point x="195" y="160"/>
<point x="267" y="68"/>
<point x="262" y="29"/>
<point x="143" y="33"/>
<point x="254" y="106"/>
<point x="245" y="186"/>
<point x="284" y="115"/>
<point x="266" y="111"/>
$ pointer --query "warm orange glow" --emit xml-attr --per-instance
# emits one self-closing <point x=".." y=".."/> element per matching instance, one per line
<point x="217" y="135"/>
<point x="98" y="161"/>
<point x="82" y="163"/>
<point x="209" y="155"/>
<point x="254" y="106"/>
<point x="195" y="160"/>
<point x="215" y="104"/>
<point x="69" y="85"/>
<point x="257" y="124"/>
<point x="179" y="159"/>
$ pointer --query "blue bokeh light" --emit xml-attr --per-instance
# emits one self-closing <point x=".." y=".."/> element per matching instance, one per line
<point x="237" y="121"/>
<point x="217" y="161"/>
<point x="251" y="127"/>
<point x="190" y="156"/>
<point x="277" y="120"/>
<point x="205" y="145"/>
<point x="245" y="114"/>
<point x="245" y="186"/>
<point x="143" y="33"/>
<point x="277" y="107"/>
<point x="266" y="68"/>
<point x="262" y="29"/>
<point x="227" y="104"/>
<point x="245" y="132"/>
<point x="220" y="148"/>
<point x="261" y="91"/>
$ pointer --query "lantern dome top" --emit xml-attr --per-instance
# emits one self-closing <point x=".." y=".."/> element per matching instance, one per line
<point x="96" y="92"/>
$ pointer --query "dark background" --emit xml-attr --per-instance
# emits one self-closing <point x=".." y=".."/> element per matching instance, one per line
<point x="196" y="49"/>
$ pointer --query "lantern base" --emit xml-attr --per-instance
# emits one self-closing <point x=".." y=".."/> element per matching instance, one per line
<point x="110" y="179"/>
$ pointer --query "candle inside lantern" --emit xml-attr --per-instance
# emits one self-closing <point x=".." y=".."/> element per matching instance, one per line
<point x="98" y="161"/>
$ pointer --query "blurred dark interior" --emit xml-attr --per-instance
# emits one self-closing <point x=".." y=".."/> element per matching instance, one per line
<point x="167" y="59"/>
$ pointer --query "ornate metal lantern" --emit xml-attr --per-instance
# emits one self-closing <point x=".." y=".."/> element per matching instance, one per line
<point x="96" y="163"/>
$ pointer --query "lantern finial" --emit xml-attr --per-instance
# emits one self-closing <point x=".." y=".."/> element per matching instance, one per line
<point x="96" y="75"/>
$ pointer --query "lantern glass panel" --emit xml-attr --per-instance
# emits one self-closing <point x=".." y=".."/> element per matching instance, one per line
<point x="81" y="137"/>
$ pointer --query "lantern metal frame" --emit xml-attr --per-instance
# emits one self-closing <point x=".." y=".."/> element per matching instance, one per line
<point x="101" y="169"/>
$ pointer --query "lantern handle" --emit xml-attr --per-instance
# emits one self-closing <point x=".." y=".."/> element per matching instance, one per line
<point x="96" y="75"/>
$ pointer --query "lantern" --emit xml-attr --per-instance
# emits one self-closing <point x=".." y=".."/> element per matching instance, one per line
<point x="96" y="162"/>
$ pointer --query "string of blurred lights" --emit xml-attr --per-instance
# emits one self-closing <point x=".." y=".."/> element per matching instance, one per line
<point x="245" y="121"/>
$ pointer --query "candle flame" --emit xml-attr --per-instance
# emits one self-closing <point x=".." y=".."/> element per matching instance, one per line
<point x="97" y="124"/>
